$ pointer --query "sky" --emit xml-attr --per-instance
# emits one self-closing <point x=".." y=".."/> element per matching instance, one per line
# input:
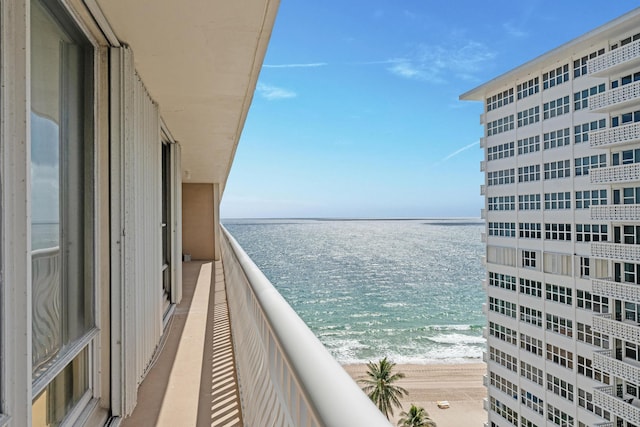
<point x="357" y="114"/>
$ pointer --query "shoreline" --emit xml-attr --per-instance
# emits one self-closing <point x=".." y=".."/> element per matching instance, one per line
<point x="458" y="383"/>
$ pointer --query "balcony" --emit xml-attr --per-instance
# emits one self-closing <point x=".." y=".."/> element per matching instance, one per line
<point x="617" y="136"/>
<point x="483" y="189"/>
<point x="261" y="364"/>
<point x="606" y="398"/>
<point x="615" y="212"/>
<point x="483" y="237"/>
<point x="628" y="331"/>
<point x="483" y="142"/>
<point x="617" y="60"/>
<point x="483" y="214"/>
<point x="614" y="99"/>
<point x="622" y="291"/>
<point x="483" y="166"/>
<point x="616" y="251"/>
<point x="605" y="361"/>
<point x="615" y="174"/>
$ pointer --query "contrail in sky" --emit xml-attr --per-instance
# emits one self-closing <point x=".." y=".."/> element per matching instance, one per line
<point x="458" y="151"/>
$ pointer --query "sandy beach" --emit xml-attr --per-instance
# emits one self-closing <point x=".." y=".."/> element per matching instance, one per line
<point x="459" y="384"/>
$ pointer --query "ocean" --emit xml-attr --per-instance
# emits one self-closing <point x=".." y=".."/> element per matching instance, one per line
<point x="407" y="289"/>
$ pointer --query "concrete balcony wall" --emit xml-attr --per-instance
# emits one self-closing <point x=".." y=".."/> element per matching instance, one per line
<point x="604" y="361"/>
<point x="614" y="174"/>
<point x="605" y="398"/>
<point x="621" y="291"/>
<point x="603" y="323"/>
<point x="614" y="99"/>
<point x="615" y="213"/>
<point x="618" y="59"/>
<point x="286" y="376"/>
<point x="620" y="135"/>
<point x="617" y="251"/>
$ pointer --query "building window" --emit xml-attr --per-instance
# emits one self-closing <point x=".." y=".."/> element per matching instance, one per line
<point x="503" y="307"/>
<point x="591" y="233"/>
<point x="503" y="281"/>
<point x="585" y="400"/>
<point x="556" y="107"/>
<point x="595" y="303"/>
<point x="501" y="177"/>
<point x="627" y="234"/>
<point x="500" y="99"/>
<point x="528" y="88"/>
<point x="625" y="157"/>
<point x="559" y="325"/>
<point x="559" y="386"/>
<point x="558" y="417"/>
<point x="501" y="125"/>
<point x="555" y="77"/>
<point x="532" y="401"/>
<point x="526" y="423"/>
<point x="504" y="411"/>
<point x="531" y="373"/>
<point x="528" y="117"/>
<point x="503" y="333"/>
<point x="557" y="200"/>
<point x="529" y="145"/>
<point x="587" y="335"/>
<point x="531" y="344"/>
<point x="584" y="267"/>
<point x="529" y="173"/>
<point x="502" y="203"/>
<point x="61" y="200"/>
<point x="529" y="202"/>
<point x="557" y="231"/>
<point x="530" y="230"/>
<point x="624" y="118"/>
<point x="581" y="98"/>
<point x="586" y="198"/>
<point x="580" y="65"/>
<point x="531" y="316"/>
<point x="502" y="229"/>
<point x="504" y="359"/>
<point x="531" y="287"/>
<point x="581" y="132"/>
<point x="556" y="138"/>
<point x="559" y="294"/>
<point x="560" y="356"/>
<point x="585" y="368"/>
<point x="625" y="80"/>
<point x="559" y="169"/>
<point x="626" y="272"/>
<point x="583" y="164"/>
<point x="500" y="151"/>
<point x="626" y="196"/>
<point x="529" y="259"/>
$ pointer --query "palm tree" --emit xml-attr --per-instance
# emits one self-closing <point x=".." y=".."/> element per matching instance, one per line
<point x="416" y="417"/>
<point x="380" y="388"/>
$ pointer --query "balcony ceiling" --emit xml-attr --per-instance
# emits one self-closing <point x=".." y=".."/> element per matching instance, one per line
<point x="200" y="60"/>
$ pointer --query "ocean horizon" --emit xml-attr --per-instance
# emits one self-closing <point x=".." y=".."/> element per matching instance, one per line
<point x="407" y="289"/>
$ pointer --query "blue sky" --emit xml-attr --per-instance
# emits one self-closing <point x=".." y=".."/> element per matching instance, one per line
<point x="356" y="113"/>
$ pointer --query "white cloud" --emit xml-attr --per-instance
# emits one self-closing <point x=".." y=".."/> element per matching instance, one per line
<point x="513" y="30"/>
<point x="273" y="92"/>
<point x="309" y="65"/>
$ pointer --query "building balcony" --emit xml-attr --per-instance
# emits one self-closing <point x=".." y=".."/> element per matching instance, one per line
<point x="615" y="99"/>
<point x="617" y="136"/>
<point x="237" y="354"/>
<point x="615" y="212"/>
<point x="483" y="142"/>
<point x="606" y="362"/>
<point x="483" y="166"/>
<point x="616" y="251"/>
<point x="483" y="189"/>
<point x="483" y="214"/>
<point x="617" y="60"/>
<point x="621" y="291"/>
<point x="483" y="237"/>
<point x="627" y="331"/>
<point x="606" y="398"/>
<point x="615" y="174"/>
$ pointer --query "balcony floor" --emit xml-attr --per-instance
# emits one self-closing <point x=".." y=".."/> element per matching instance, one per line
<point x="193" y="381"/>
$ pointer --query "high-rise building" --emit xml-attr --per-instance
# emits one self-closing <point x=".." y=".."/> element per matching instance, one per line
<point x="562" y="208"/>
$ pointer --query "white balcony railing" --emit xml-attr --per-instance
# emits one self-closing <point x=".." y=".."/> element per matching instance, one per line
<point x="614" y="59"/>
<point x="285" y="375"/>
<point x="483" y="166"/>
<point x="613" y="174"/>
<point x="619" y="135"/>
<point x="483" y="237"/>
<point x="615" y="290"/>
<point x="483" y="214"/>
<point x="615" y="212"/>
<point x="483" y="142"/>
<point x="605" y="397"/>
<point x="615" y="98"/>
<point x="617" y="251"/>
<point x="483" y="189"/>
<point x="604" y="361"/>
<point x="604" y="324"/>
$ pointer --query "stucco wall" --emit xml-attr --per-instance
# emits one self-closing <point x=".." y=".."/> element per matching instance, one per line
<point x="198" y="221"/>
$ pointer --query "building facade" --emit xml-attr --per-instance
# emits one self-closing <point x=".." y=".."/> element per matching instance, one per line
<point x="562" y="208"/>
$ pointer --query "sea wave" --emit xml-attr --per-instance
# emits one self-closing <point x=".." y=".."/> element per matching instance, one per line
<point x="457" y="339"/>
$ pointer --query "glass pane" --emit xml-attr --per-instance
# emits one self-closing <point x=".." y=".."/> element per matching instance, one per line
<point x="61" y="195"/>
